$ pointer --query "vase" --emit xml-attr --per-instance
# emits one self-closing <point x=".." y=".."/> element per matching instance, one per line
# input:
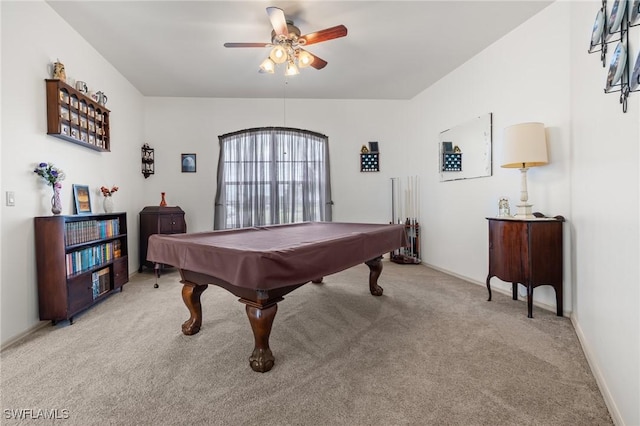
<point x="56" y="202"/>
<point x="163" y="202"/>
<point x="107" y="204"/>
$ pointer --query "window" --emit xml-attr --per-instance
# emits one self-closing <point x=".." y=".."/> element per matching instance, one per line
<point x="272" y="175"/>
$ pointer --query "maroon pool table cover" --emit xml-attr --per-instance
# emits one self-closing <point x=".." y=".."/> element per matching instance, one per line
<point x="269" y="257"/>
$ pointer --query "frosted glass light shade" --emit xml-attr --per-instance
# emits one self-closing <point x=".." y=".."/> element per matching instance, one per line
<point x="525" y="145"/>
<point x="278" y="54"/>
<point x="291" y="69"/>
<point x="267" y="66"/>
<point x="304" y="59"/>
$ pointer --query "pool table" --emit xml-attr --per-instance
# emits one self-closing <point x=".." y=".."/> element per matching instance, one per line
<point x="260" y="265"/>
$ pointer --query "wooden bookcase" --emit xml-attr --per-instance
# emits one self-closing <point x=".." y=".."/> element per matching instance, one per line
<point x="80" y="260"/>
<point x="76" y="118"/>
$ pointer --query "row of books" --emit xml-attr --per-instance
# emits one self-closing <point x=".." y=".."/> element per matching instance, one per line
<point x="90" y="230"/>
<point x="87" y="258"/>
<point x="100" y="282"/>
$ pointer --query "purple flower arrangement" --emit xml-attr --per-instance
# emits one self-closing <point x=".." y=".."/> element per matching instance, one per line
<point x="51" y="174"/>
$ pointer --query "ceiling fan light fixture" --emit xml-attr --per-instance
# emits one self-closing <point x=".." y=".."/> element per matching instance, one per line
<point x="291" y="69"/>
<point x="278" y="54"/>
<point x="267" y="66"/>
<point x="304" y="59"/>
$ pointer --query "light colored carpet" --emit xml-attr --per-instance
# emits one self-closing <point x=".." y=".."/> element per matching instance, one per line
<point x="430" y="351"/>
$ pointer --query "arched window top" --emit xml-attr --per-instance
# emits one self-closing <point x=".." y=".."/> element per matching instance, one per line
<point x="272" y="175"/>
<point x="259" y="130"/>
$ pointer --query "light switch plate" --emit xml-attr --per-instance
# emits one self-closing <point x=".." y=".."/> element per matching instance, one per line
<point x="11" y="198"/>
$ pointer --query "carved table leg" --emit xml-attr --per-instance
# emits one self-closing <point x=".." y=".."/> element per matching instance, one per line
<point x="489" y="287"/>
<point x="191" y="296"/>
<point x="514" y="291"/>
<point x="261" y="360"/>
<point x="375" y="269"/>
<point x="529" y="301"/>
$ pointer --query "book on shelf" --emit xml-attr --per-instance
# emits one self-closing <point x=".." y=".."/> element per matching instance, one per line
<point x="101" y="282"/>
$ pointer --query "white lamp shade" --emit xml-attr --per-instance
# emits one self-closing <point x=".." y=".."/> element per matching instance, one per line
<point x="525" y="145"/>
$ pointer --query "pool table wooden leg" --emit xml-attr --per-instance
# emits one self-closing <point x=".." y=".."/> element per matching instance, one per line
<point x="375" y="269"/>
<point x="261" y="319"/>
<point x="191" y="296"/>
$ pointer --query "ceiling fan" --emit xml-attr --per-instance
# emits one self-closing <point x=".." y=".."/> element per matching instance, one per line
<point x="287" y="44"/>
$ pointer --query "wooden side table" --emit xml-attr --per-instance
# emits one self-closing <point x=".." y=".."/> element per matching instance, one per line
<point x="158" y="220"/>
<point x="529" y="252"/>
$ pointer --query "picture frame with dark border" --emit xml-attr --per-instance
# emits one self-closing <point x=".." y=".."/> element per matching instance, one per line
<point x="82" y="199"/>
<point x="188" y="163"/>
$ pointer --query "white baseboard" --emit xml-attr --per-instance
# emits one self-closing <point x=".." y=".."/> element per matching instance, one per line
<point x="597" y="374"/>
<point x="566" y="313"/>
<point x="17" y="338"/>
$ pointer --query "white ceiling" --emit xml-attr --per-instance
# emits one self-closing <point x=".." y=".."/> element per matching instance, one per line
<point x="393" y="50"/>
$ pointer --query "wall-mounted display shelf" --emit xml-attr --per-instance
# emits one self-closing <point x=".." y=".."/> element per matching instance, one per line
<point x="76" y="118"/>
<point x="80" y="260"/>
<point x="451" y="162"/>
<point x="370" y="162"/>
<point x="613" y="27"/>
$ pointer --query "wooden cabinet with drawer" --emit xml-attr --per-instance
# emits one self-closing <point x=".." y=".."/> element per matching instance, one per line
<point x="158" y="220"/>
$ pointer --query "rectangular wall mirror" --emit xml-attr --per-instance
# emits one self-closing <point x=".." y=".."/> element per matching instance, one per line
<point x="465" y="150"/>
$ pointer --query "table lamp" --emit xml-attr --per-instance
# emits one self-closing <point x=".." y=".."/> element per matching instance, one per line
<point x="525" y="146"/>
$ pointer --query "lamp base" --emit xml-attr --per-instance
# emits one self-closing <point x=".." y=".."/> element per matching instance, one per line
<point x="524" y="211"/>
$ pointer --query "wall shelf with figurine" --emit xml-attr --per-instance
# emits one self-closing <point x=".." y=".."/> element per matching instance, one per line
<point x="75" y="117"/>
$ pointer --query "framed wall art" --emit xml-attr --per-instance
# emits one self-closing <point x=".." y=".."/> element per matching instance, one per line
<point x="82" y="199"/>
<point x="188" y="162"/>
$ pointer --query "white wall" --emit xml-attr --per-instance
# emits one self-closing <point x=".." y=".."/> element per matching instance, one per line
<point x="605" y="220"/>
<point x="175" y="126"/>
<point x="539" y="72"/>
<point x="33" y="36"/>
<point x="522" y="77"/>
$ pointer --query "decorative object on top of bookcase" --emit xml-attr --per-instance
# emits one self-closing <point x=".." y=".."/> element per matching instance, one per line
<point x="82" y="199"/>
<point x="107" y="202"/>
<point x="80" y="260"/>
<point x="52" y="176"/>
<point x="615" y="29"/>
<point x="76" y="117"/>
<point x="147" y="160"/>
<point x="373" y="147"/>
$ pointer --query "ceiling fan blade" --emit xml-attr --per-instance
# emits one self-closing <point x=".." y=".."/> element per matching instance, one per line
<point x="318" y="63"/>
<point x="278" y="21"/>
<point x="324" y="35"/>
<point x="246" y="44"/>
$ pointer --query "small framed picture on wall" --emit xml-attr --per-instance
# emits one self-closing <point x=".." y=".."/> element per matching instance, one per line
<point x="188" y="163"/>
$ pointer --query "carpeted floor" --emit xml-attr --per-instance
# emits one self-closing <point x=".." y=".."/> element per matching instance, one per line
<point x="430" y="351"/>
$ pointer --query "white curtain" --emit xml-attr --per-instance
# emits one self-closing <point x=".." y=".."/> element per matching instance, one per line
<point x="272" y="175"/>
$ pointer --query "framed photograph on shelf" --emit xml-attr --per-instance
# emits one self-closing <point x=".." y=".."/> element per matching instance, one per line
<point x="82" y="199"/>
<point x="188" y="163"/>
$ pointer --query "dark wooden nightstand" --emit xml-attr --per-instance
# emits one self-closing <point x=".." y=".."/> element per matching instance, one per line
<point x="529" y="252"/>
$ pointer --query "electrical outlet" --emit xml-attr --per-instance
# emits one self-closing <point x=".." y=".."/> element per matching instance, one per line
<point x="11" y="198"/>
